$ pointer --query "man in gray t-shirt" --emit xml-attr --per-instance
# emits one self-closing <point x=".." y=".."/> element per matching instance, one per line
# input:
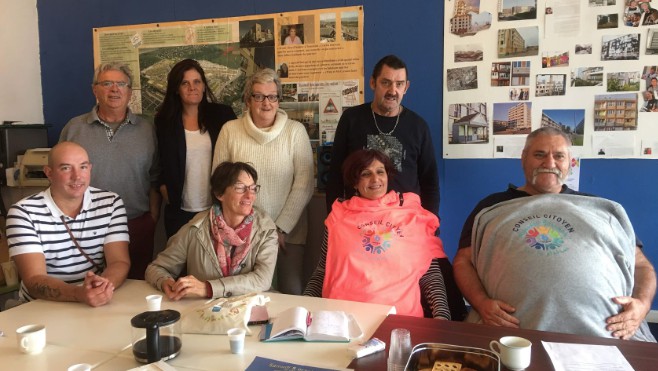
<point x="543" y="257"/>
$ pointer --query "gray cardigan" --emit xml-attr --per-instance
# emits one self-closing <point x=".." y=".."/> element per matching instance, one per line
<point x="192" y="248"/>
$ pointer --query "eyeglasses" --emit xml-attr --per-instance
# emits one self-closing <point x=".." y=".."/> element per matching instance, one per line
<point x="108" y="84"/>
<point x="261" y="97"/>
<point x="241" y="188"/>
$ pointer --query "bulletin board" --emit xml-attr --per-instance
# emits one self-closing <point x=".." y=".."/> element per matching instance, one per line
<point x="320" y="63"/>
<point x="584" y="67"/>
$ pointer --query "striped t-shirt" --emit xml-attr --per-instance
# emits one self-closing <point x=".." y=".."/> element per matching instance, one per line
<point x="34" y="225"/>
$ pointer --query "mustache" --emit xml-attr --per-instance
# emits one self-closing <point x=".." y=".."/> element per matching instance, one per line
<point x="391" y="96"/>
<point x="554" y="170"/>
<point x="560" y="177"/>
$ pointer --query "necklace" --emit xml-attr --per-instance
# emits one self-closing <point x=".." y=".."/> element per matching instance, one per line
<point x="397" y="120"/>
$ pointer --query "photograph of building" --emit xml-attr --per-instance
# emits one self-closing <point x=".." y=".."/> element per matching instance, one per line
<point x="620" y="47"/>
<point x="523" y="41"/>
<point x="257" y="33"/>
<point x="604" y="21"/>
<point x="569" y="121"/>
<point x="500" y="73"/>
<point x="513" y="10"/>
<point x="623" y="81"/>
<point x="602" y="2"/>
<point x="520" y="73"/>
<point x="547" y="85"/>
<point x="587" y="76"/>
<point x="468" y="123"/>
<point x="652" y="42"/>
<point x="467" y="19"/>
<point x="615" y="112"/>
<point x="460" y="23"/>
<point x="512" y="118"/>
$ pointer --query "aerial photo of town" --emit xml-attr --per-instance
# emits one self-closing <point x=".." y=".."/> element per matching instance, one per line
<point x="221" y="63"/>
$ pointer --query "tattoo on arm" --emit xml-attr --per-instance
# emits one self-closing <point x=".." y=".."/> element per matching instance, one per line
<point x="42" y="290"/>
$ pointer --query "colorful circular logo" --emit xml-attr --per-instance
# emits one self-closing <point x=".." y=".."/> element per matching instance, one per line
<point x="543" y="238"/>
<point x="376" y="243"/>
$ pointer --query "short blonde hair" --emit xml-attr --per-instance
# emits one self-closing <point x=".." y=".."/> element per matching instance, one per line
<point x="263" y="76"/>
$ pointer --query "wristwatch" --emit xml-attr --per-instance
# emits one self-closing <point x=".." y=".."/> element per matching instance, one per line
<point x="280" y="230"/>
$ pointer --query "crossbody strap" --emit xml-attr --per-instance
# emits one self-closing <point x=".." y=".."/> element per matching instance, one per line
<point x="75" y="242"/>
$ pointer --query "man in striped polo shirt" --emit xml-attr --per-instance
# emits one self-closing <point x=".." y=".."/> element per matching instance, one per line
<point x="69" y="242"/>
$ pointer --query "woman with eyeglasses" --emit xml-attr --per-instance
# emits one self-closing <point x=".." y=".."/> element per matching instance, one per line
<point x="280" y="150"/>
<point x="228" y="250"/>
<point x="187" y="125"/>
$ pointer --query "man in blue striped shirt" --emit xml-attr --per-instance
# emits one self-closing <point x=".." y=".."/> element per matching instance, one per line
<point x="69" y="242"/>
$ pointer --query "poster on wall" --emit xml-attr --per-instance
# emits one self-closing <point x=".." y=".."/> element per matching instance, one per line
<point x="318" y="55"/>
<point x="589" y="71"/>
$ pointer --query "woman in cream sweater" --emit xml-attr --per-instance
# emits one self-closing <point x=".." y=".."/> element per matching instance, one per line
<point x="280" y="150"/>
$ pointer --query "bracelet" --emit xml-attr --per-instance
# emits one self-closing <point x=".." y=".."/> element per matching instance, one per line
<point x="280" y="230"/>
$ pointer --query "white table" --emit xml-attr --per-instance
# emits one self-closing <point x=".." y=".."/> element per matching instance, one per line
<point x="53" y="357"/>
<point x="102" y="336"/>
<point x="79" y="326"/>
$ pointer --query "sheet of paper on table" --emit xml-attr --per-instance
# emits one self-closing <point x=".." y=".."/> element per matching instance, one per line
<point x="155" y="366"/>
<point x="585" y="357"/>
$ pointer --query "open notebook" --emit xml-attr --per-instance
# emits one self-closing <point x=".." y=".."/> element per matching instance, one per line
<point x="298" y="323"/>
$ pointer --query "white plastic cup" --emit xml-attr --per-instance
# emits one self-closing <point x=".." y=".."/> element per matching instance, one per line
<point x="153" y="302"/>
<point x="80" y="367"/>
<point x="514" y="351"/>
<point x="236" y="339"/>
<point x="9" y="270"/>
<point x="31" y="339"/>
<point x="11" y="176"/>
<point x="399" y="349"/>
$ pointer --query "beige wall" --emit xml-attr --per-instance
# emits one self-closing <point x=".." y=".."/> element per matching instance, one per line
<point x="20" y="70"/>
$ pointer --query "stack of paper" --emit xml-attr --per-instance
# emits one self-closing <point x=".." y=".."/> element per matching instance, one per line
<point x="585" y="357"/>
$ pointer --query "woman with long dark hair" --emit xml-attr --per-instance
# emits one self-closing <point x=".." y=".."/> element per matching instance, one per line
<point x="187" y="123"/>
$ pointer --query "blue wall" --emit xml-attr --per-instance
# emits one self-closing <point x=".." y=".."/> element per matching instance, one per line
<point x="412" y="30"/>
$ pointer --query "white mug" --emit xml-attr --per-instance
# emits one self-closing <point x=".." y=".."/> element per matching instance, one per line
<point x="31" y="339"/>
<point x="514" y="351"/>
